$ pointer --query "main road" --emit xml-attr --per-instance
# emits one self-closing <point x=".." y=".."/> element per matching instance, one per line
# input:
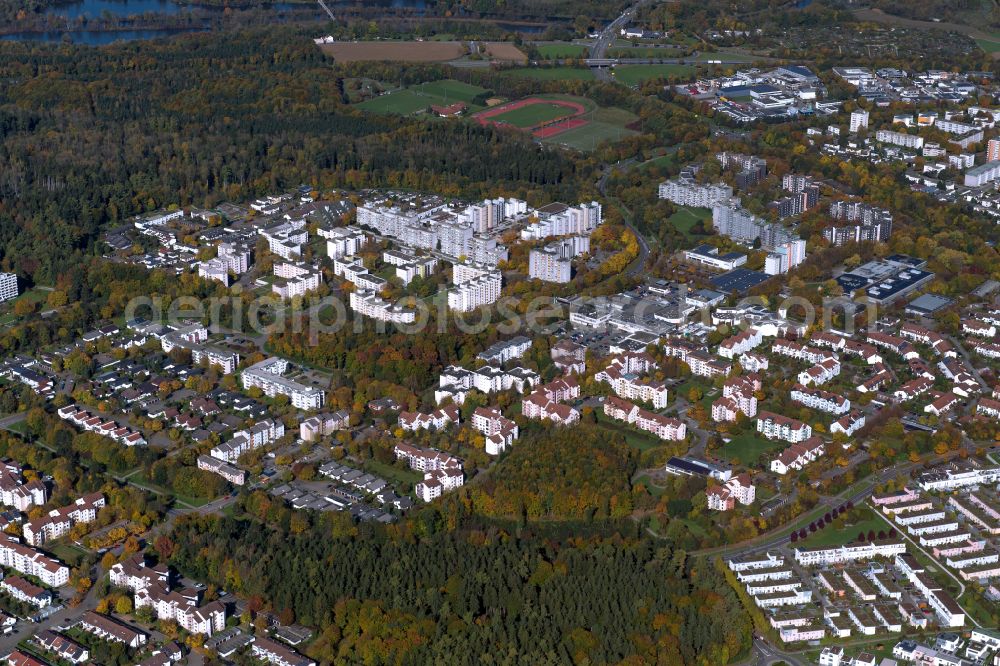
<point x="606" y="38"/>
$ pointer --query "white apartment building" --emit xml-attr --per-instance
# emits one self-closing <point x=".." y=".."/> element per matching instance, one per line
<point x="28" y="561"/>
<point x="859" y="120"/>
<point x="785" y="257"/>
<point x="954" y="478"/>
<point x="369" y="304"/>
<point x="230" y="473"/>
<point x="686" y="191"/>
<point x="59" y="521"/>
<point x="192" y="337"/>
<point x="776" y="426"/>
<point x="343" y="241"/>
<point x="475" y="286"/>
<point x="8" y="286"/>
<point x="900" y="139"/>
<point x="553" y="263"/>
<point x="824" y="401"/>
<point x="267" y="376"/>
<point x="286" y="239"/>
<point x="294" y="279"/>
<point x="560" y="220"/>
<point x="848" y="553"/>
<point x="258" y="435"/>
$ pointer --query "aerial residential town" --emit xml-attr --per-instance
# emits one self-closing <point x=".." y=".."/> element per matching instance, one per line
<point x="500" y="332"/>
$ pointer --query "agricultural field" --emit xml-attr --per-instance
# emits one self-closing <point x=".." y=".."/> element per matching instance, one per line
<point x="561" y="50"/>
<point x="633" y="75"/>
<point x="505" y="52"/>
<point x="394" y="51"/>
<point x="419" y="97"/>
<point x="553" y="73"/>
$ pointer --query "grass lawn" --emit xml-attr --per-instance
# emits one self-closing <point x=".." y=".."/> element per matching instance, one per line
<point x="748" y="447"/>
<point x="727" y="56"/>
<point x="560" y="51"/>
<point x="633" y="75"/>
<point x="832" y="536"/>
<point x="392" y="473"/>
<point x="68" y="553"/>
<point x="419" y="97"/>
<point x="35" y="296"/>
<point x="662" y="162"/>
<point x="533" y="114"/>
<point x="141" y="481"/>
<point x="634" y="438"/>
<point x="686" y="217"/>
<point x="552" y="73"/>
<point x="20" y="427"/>
<point x="644" y="52"/>
<point x="989" y="45"/>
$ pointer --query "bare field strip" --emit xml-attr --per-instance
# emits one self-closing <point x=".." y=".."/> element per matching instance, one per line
<point x="394" y="51"/>
<point x="505" y="52"/>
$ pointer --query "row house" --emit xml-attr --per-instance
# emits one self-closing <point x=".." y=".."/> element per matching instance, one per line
<point x="277" y="654"/>
<point x="663" y="427"/>
<point x="955" y="477"/>
<point x="879" y="380"/>
<point x="26" y="592"/>
<point x="942" y="404"/>
<point x="940" y="526"/>
<point x="28" y="561"/>
<point x="797" y="456"/>
<point x="500" y="432"/>
<point x="866" y="352"/>
<point x="110" y="629"/>
<point x="915" y="333"/>
<point x="776" y="426"/>
<point x="436" y="420"/>
<point x="738" y="489"/>
<point x="91" y="422"/>
<point x="811" y="632"/>
<point x="755" y="562"/>
<point x="892" y="343"/>
<point x="59" y="521"/>
<point x="828" y="340"/>
<point x="987" y="349"/>
<point x="751" y="362"/>
<point x="827" y="555"/>
<point x="942" y="544"/>
<point x="801" y="352"/>
<point x="912" y="389"/>
<point x="848" y="424"/>
<point x="989" y="407"/>
<point x="978" y="328"/>
<point x="230" y="473"/>
<point x="824" y="401"/>
<point x="905" y="495"/>
<point x="918" y="503"/>
<point x="921" y="368"/>
<point x="62" y="646"/>
<point x="917" y="517"/>
<point x="740" y="343"/>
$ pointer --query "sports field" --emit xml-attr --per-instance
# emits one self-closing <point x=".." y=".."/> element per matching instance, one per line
<point x="420" y="97"/>
<point x="394" y="51"/>
<point x="553" y="73"/>
<point x="533" y="114"/>
<point x="633" y="75"/>
<point x="603" y="124"/>
<point x="561" y="50"/>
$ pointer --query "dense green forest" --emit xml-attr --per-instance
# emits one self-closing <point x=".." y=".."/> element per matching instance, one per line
<point x="431" y="595"/>
<point x="89" y="137"/>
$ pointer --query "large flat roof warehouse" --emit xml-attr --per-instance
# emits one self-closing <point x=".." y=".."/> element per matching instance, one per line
<point x="739" y="280"/>
<point x="927" y="304"/>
